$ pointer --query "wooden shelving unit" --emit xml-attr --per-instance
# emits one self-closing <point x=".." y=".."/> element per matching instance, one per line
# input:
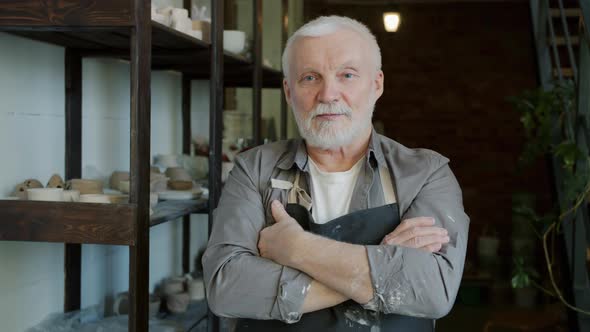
<point x="124" y="30"/>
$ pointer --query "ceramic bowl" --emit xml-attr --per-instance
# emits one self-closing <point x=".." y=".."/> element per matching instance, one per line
<point x="71" y="195"/>
<point x="95" y="198"/>
<point x="166" y="160"/>
<point x="56" y="182"/>
<point x="45" y="194"/>
<point x="234" y="41"/>
<point x="117" y="177"/>
<point x="85" y="186"/>
<point x="180" y="185"/>
<point x="178" y="174"/>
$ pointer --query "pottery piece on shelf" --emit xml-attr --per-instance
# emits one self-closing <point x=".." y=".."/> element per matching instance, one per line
<point x="178" y="195"/>
<point x="204" y="27"/>
<point x="85" y="186"/>
<point x="117" y="177"/>
<point x="55" y="182"/>
<point x="153" y="199"/>
<point x="234" y="41"/>
<point x="45" y="194"/>
<point x="155" y="169"/>
<point x="178" y="174"/>
<point x="198" y="34"/>
<point x="124" y="186"/>
<point x="180" y="185"/>
<point x="71" y="195"/>
<point x="196" y="166"/>
<point x="95" y="198"/>
<point x="196" y="288"/>
<point x="121" y="304"/>
<point x="166" y="11"/>
<point x="173" y="285"/>
<point x="158" y="182"/>
<point x="166" y="160"/>
<point x="118" y="199"/>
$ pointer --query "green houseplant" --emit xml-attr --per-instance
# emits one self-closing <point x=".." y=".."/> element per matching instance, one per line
<point x="546" y="117"/>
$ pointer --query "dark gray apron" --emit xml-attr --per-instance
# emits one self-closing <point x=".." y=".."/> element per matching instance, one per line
<point x="364" y="227"/>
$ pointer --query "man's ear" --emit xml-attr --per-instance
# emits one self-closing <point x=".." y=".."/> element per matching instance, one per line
<point x="287" y="91"/>
<point x="379" y="78"/>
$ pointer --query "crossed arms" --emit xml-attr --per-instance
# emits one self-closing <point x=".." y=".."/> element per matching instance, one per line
<point x="281" y="272"/>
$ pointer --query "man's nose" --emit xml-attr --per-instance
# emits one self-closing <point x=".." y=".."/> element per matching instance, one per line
<point x="330" y="92"/>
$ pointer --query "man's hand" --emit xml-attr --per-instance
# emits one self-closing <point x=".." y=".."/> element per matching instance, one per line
<point x="418" y="233"/>
<point x="279" y="242"/>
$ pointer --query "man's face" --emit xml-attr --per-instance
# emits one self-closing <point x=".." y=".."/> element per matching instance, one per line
<point x="333" y="85"/>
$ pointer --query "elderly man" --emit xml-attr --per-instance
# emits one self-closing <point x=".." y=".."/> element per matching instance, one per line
<point x="344" y="229"/>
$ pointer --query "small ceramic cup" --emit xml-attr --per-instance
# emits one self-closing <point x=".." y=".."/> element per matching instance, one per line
<point x="117" y="177"/>
<point x="45" y="194"/>
<point x="85" y="186"/>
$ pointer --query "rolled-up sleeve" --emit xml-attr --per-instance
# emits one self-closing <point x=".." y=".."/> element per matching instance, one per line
<point x="240" y="283"/>
<point x="414" y="282"/>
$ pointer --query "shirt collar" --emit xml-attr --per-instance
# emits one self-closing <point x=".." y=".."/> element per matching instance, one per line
<point x="298" y="156"/>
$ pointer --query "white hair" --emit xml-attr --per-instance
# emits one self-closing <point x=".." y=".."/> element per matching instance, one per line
<point x="325" y="25"/>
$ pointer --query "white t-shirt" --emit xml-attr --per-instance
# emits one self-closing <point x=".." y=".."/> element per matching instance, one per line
<point x="332" y="191"/>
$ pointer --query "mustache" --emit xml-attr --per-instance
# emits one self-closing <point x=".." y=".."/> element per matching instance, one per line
<point x="335" y="108"/>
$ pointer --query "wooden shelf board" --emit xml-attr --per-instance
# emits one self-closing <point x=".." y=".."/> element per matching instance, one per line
<point x="171" y="50"/>
<point x="170" y="210"/>
<point x="67" y="222"/>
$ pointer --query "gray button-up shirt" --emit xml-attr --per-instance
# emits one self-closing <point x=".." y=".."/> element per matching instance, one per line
<point x="406" y="281"/>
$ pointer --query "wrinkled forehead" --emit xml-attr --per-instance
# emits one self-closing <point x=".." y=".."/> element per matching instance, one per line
<point x="343" y="47"/>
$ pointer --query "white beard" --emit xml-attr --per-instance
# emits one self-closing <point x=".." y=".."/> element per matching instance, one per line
<point x="327" y="134"/>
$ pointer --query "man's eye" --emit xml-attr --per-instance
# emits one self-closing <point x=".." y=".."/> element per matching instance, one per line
<point x="308" y="78"/>
<point x="348" y="75"/>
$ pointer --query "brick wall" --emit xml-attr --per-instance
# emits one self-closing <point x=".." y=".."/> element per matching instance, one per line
<point x="448" y="71"/>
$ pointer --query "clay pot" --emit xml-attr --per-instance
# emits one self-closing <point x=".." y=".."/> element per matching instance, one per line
<point x="45" y="194"/>
<point x="20" y="190"/>
<point x="178" y="174"/>
<point x="180" y="185"/>
<point x="55" y="181"/>
<point x="85" y="186"/>
<point x="117" y="177"/>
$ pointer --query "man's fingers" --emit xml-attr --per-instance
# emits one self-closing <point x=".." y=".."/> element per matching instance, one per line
<point x="433" y="247"/>
<point x="278" y="211"/>
<point x="414" y="232"/>
<point x="412" y="222"/>
<point x="424" y="241"/>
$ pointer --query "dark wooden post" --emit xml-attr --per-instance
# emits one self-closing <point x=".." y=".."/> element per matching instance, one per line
<point x="257" y="73"/>
<point x="215" y="123"/>
<point x="140" y="165"/>
<point x="186" y="146"/>
<point x="73" y="162"/>
<point x="284" y="37"/>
